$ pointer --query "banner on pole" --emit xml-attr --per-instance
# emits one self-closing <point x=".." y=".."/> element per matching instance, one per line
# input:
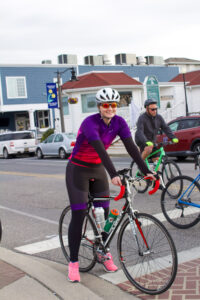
<point x="52" y="97"/>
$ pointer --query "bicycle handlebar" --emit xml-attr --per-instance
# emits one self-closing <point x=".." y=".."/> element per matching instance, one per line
<point x="151" y="192"/>
<point x="156" y="186"/>
<point x="163" y="144"/>
<point x="121" y="193"/>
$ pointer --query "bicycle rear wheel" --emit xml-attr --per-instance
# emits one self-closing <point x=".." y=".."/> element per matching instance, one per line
<point x="86" y="256"/>
<point x="181" y="215"/>
<point x="141" y="185"/>
<point x="152" y="266"/>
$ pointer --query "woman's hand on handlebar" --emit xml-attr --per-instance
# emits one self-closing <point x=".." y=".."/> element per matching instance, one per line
<point x="116" y="181"/>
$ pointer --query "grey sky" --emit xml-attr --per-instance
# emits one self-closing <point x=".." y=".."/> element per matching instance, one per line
<point x="33" y="30"/>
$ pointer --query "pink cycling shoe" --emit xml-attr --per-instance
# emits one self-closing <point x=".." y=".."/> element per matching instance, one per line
<point x="73" y="272"/>
<point x="108" y="264"/>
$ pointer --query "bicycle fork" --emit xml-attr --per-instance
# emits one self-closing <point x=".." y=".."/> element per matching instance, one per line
<point x="137" y="223"/>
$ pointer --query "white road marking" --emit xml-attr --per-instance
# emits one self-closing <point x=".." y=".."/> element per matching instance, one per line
<point x="42" y="246"/>
<point x="28" y="215"/>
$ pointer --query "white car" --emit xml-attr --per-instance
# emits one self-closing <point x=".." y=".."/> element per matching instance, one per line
<point x="60" y="145"/>
<point x="17" y="142"/>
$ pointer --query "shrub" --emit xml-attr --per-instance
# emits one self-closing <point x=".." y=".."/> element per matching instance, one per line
<point x="47" y="133"/>
<point x="168" y="105"/>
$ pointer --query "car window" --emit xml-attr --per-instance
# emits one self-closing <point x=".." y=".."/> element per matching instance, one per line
<point x="193" y="123"/>
<point x="18" y="136"/>
<point x="49" y="139"/>
<point x="187" y="123"/>
<point x="173" y="126"/>
<point x="58" y="138"/>
<point x="2" y="137"/>
<point x="71" y="136"/>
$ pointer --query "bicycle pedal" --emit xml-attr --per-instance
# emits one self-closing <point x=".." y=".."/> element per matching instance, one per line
<point x="101" y="257"/>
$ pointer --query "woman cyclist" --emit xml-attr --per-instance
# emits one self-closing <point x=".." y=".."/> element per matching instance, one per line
<point x="86" y="172"/>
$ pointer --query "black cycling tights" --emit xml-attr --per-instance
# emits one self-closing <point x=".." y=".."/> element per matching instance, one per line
<point x="75" y="230"/>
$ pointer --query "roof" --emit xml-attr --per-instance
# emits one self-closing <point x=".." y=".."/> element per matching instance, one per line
<point x="192" y="78"/>
<point x="181" y="60"/>
<point x="95" y="79"/>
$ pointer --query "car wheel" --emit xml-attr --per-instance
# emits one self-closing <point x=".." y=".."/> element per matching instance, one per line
<point x="62" y="153"/>
<point x="39" y="153"/>
<point x="196" y="147"/>
<point x="5" y="153"/>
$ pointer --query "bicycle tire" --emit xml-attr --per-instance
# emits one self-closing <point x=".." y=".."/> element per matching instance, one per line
<point x="141" y="185"/>
<point x="170" y="169"/>
<point x="86" y="257"/>
<point x="180" y="215"/>
<point x="152" y="272"/>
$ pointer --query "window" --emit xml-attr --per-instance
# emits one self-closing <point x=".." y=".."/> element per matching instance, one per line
<point x="16" y="87"/>
<point x="58" y="138"/>
<point x="43" y="118"/>
<point x="65" y="106"/>
<point x="89" y="103"/>
<point x="50" y="139"/>
<point x="174" y="126"/>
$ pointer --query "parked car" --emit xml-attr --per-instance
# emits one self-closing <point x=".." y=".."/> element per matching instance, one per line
<point x="60" y="144"/>
<point x="187" y="130"/>
<point x="17" y="142"/>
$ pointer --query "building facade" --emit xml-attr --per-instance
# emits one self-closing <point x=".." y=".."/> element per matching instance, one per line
<point x="23" y="96"/>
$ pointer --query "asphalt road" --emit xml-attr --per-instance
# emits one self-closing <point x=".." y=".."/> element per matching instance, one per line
<point x="33" y="194"/>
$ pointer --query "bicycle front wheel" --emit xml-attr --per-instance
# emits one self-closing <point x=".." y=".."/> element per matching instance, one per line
<point x="86" y="255"/>
<point x="181" y="215"/>
<point x="170" y="170"/>
<point x="147" y="254"/>
<point x="141" y="185"/>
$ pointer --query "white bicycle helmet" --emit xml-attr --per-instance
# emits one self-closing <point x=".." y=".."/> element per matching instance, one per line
<point x="107" y="95"/>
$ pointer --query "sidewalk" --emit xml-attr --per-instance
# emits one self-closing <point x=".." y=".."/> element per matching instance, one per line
<point x="24" y="277"/>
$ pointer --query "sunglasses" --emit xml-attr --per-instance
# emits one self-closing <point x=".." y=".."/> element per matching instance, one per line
<point x="152" y="109"/>
<point x="107" y="105"/>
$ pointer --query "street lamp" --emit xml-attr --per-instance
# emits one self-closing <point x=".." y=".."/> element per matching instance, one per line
<point x="186" y="104"/>
<point x="73" y="78"/>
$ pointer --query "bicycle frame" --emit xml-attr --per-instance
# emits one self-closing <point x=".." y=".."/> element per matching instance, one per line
<point x="126" y="209"/>
<point x="193" y="186"/>
<point x="162" y="154"/>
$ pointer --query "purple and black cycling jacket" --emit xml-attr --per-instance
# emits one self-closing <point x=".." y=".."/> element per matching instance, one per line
<point x="95" y="136"/>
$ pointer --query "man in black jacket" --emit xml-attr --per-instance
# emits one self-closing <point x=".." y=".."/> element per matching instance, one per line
<point x="148" y="125"/>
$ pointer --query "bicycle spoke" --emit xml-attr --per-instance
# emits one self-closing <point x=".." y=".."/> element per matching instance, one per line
<point x="181" y="215"/>
<point x="152" y="270"/>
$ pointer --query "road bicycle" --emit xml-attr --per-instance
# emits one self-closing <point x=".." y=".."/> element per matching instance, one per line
<point x="167" y="171"/>
<point x="183" y="209"/>
<point x="146" y="251"/>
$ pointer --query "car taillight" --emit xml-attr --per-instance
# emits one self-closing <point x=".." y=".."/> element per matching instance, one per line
<point x="12" y="144"/>
<point x="72" y="144"/>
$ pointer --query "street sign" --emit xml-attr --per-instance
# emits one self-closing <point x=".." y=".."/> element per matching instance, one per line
<point x="152" y="88"/>
<point x="52" y="98"/>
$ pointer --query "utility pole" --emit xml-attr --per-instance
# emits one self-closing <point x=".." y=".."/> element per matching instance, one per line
<point x="73" y="78"/>
<point x="60" y="103"/>
<point x="186" y="104"/>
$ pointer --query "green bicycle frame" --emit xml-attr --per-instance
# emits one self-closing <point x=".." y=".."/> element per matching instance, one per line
<point x="162" y="153"/>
